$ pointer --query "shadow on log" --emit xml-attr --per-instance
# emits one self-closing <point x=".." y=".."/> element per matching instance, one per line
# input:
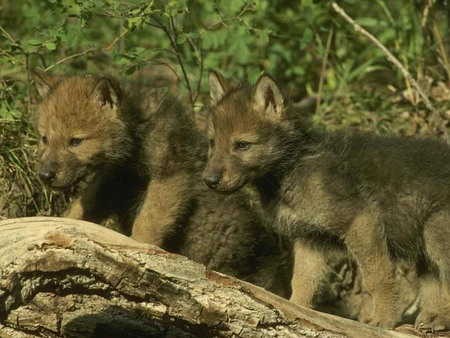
<point x="62" y="277"/>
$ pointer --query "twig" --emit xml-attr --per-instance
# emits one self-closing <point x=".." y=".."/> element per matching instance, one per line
<point x="442" y="50"/>
<point x="322" y="72"/>
<point x="199" y="55"/>
<point x="28" y="84"/>
<point x="174" y="45"/>
<point x="426" y="10"/>
<point x="7" y="35"/>
<point x="89" y="51"/>
<point x="237" y="17"/>
<point x="180" y="61"/>
<point x="159" y="62"/>
<point x="119" y="38"/>
<point x="437" y="118"/>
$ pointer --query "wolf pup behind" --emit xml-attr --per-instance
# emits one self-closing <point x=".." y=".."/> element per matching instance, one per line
<point x="146" y="158"/>
<point x="380" y="197"/>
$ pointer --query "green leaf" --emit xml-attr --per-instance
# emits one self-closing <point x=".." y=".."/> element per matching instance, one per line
<point x="265" y="35"/>
<point x="308" y="35"/>
<point x="131" y="70"/>
<point x="139" y="50"/>
<point x="298" y="70"/>
<point x="181" y="39"/>
<point x="309" y="14"/>
<point x="50" y="45"/>
<point x="368" y="22"/>
<point x="193" y="35"/>
<point x="133" y="22"/>
<point x="35" y="42"/>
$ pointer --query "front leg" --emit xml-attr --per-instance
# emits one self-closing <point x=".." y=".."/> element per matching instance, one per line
<point x="366" y="242"/>
<point x="87" y="207"/>
<point x="166" y="200"/>
<point x="309" y="271"/>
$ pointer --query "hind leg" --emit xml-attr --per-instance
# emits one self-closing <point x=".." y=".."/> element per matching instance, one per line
<point x="435" y="306"/>
<point x="435" y="293"/>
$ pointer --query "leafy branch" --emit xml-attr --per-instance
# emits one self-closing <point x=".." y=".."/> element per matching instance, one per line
<point x="437" y="118"/>
<point x="90" y="51"/>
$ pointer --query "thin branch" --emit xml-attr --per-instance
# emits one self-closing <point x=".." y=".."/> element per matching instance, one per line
<point x="111" y="45"/>
<point x="442" y="50"/>
<point x="237" y="17"/>
<point x="199" y="55"/>
<point x="174" y="45"/>
<point x="89" y="51"/>
<point x="7" y="35"/>
<point x="437" y="118"/>
<point x="200" y="76"/>
<point x="180" y="61"/>
<point x="28" y="84"/>
<point x="426" y="10"/>
<point x="165" y="64"/>
<point x="322" y="72"/>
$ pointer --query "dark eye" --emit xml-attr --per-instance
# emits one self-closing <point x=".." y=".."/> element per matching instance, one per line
<point x="75" y="141"/>
<point x="44" y="139"/>
<point x="242" y="145"/>
<point x="211" y="143"/>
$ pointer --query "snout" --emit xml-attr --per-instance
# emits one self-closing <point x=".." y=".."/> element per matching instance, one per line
<point x="212" y="180"/>
<point x="57" y="176"/>
<point x="47" y="176"/>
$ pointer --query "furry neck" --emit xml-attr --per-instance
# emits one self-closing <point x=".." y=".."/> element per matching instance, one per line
<point x="299" y="139"/>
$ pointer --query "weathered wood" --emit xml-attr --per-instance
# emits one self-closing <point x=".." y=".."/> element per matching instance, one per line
<point x="62" y="277"/>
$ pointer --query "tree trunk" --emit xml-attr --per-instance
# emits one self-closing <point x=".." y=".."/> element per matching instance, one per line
<point x="62" y="277"/>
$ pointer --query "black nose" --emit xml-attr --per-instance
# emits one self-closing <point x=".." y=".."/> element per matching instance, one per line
<point x="47" y="176"/>
<point x="212" y="181"/>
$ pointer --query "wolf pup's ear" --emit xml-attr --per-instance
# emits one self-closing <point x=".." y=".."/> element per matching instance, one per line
<point x="107" y="91"/>
<point x="268" y="98"/>
<point x="44" y="82"/>
<point x="218" y="87"/>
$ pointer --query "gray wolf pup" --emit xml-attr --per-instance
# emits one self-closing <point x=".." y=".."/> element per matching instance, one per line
<point x="379" y="197"/>
<point x="143" y="158"/>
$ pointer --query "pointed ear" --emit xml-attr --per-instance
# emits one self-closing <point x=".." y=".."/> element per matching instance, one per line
<point x="108" y="93"/>
<point x="218" y="87"/>
<point x="44" y="82"/>
<point x="268" y="98"/>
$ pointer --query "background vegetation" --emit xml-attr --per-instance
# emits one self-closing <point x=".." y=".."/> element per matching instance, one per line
<point x="304" y="44"/>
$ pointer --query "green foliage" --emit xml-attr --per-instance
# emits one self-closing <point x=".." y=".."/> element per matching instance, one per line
<point x="242" y="38"/>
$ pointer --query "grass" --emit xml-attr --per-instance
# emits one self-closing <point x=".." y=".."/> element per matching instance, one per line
<point x="22" y="194"/>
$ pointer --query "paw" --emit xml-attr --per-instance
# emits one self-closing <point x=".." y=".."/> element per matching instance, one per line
<point x="387" y="322"/>
<point x="302" y="300"/>
<point x="434" y="320"/>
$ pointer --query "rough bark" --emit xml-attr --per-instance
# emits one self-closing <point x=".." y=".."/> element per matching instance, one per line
<point x="61" y="277"/>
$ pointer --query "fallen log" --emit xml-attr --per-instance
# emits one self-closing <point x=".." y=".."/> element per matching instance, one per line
<point x="67" y="278"/>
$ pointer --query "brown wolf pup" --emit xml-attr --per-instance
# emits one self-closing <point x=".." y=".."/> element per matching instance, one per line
<point x="146" y="158"/>
<point x="380" y="197"/>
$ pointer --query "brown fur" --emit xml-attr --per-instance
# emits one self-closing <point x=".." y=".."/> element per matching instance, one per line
<point x="146" y="158"/>
<point x="380" y="198"/>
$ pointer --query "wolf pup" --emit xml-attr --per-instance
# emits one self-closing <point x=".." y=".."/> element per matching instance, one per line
<point x="380" y="197"/>
<point x="146" y="158"/>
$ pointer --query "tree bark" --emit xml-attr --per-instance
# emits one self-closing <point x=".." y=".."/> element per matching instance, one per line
<point x="62" y="277"/>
